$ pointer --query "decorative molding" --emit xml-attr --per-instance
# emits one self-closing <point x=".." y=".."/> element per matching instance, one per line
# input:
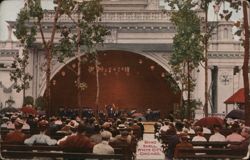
<point x="226" y="55"/>
<point x="9" y="53"/>
<point x="119" y="16"/>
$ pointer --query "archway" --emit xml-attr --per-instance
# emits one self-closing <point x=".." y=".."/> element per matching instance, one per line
<point x="128" y="80"/>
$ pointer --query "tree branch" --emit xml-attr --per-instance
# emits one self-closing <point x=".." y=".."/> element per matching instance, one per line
<point x="42" y="34"/>
<point x="55" y="22"/>
<point x="70" y="16"/>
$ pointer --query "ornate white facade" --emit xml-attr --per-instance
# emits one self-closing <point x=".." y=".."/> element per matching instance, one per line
<point x="141" y="27"/>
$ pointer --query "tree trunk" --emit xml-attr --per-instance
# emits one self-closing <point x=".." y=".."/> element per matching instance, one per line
<point x="189" y="91"/>
<point x="48" y="86"/>
<point x="206" y="65"/>
<point x="24" y="94"/>
<point x="78" y="81"/>
<point x="245" y="64"/>
<point x="97" y="83"/>
<point x="24" y="88"/>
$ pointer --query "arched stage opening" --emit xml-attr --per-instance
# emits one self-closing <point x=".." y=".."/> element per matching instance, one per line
<point x="128" y="80"/>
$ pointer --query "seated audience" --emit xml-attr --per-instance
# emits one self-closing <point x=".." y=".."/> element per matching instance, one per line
<point x="242" y="148"/>
<point x="235" y="136"/>
<point x="217" y="136"/>
<point x="164" y="128"/>
<point x="123" y="137"/>
<point x="206" y="130"/>
<point x="73" y="125"/>
<point x="96" y="137"/>
<point x="78" y="142"/>
<point x="16" y="136"/>
<point x="199" y="138"/>
<point x="104" y="147"/>
<point x="11" y="125"/>
<point x="199" y="135"/>
<point x="41" y="138"/>
<point x="187" y="127"/>
<point x="179" y="126"/>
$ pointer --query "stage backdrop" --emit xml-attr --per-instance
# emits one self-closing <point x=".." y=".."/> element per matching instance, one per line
<point x="128" y="80"/>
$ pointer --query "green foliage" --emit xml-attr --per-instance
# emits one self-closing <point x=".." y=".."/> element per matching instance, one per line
<point x="28" y="100"/>
<point x="26" y="34"/>
<point x="171" y="82"/>
<point x="65" y="47"/>
<point x="19" y="75"/>
<point x="91" y="32"/>
<point x="188" y="109"/>
<point x="40" y="102"/>
<point x="187" y="46"/>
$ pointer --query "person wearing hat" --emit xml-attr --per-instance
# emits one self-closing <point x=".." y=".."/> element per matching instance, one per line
<point x="12" y="121"/>
<point x="123" y="137"/>
<point x="5" y="121"/>
<point x="104" y="147"/>
<point x="41" y="138"/>
<point x="73" y="125"/>
<point x="16" y="137"/>
<point x="79" y="142"/>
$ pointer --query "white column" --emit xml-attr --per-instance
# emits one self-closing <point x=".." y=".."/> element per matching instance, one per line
<point x="9" y="33"/>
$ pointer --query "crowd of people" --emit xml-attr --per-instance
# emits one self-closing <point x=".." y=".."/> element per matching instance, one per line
<point x="83" y="134"/>
<point x="180" y="134"/>
<point x="88" y="132"/>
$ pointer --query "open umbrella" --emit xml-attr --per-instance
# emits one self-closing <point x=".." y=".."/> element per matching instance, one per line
<point x="8" y="109"/>
<point x="236" y="114"/>
<point x="29" y="110"/>
<point x="210" y="122"/>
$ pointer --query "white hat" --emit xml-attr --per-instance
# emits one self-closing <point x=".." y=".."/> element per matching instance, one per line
<point x="121" y="127"/>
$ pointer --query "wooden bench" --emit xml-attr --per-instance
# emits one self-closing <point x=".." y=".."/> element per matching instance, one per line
<point x="164" y="138"/>
<point x="127" y="150"/>
<point x="214" y="144"/>
<point x="27" y="151"/>
<point x="59" y="154"/>
<point x="41" y="148"/>
<point x="207" y="153"/>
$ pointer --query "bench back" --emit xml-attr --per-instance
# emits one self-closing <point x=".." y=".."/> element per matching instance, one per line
<point x="207" y="153"/>
<point x="30" y="154"/>
<point x="26" y="151"/>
